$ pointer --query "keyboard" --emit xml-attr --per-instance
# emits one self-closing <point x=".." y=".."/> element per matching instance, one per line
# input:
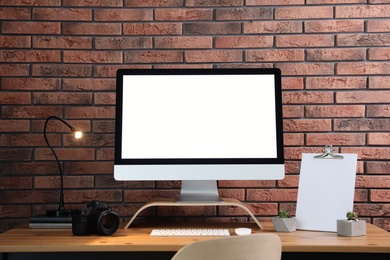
<point x="189" y="233"/>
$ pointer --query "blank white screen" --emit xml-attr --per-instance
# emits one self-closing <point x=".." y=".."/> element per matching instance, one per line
<point x="198" y="116"/>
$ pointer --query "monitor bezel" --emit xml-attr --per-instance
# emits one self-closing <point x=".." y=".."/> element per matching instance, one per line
<point x="118" y="160"/>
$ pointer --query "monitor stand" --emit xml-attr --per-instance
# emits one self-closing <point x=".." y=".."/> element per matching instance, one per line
<point x="197" y="193"/>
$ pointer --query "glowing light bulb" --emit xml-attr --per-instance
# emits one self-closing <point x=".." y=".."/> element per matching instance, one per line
<point x="78" y="134"/>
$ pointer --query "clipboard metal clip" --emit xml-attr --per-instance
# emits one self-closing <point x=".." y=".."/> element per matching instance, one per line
<point x="329" y="153"/>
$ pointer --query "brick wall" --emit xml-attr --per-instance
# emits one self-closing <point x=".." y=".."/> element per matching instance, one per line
<point x="59" y="57"/>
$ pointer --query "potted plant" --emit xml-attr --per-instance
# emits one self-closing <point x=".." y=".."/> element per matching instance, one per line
<point x="284" y="223"/>
<point x="352" y="226"/>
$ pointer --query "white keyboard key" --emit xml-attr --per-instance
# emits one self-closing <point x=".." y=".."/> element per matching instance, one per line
<point x="189" y="232"/>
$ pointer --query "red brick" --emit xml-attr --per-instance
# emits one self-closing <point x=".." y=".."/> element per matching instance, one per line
<point x="361" y="124"/>
<point x="28" y="140"/>
<point x="92" y="57"/>
<point x="15" y="154"/>
<point x="94" y="140"/>
<point x="30" y="111"/>
<point x="369" y="153"/>
<point x="30" y="196"/>
<point x="125" y="15"/>
<point x="15" y="98"/>
<point x="307" y="12"/>
<point x="31" y="2"/>
<point x="292" y="167"/>
<point x="299" y="69"/>
<point x="292" y="83"/>
<point x="335" y="54"/>
<point x="30" y="56"/>
<point x="30" y="84"/>
<point x="307" y="125"/>
<point x="121" y="43"/>
<point x="74" y="182"/>
<point x="176" y="14"/>
<point x="154" y="3"/>
<point x="91" y="28"/>
<point x="244" y="14"/>
<point x="378" y="138"/>
<point x="88" y="84"/>
<point x="15" y="13"/>
<point x="335" y="26"/>
<point x="274" y="55"/>
<point x="93" y="168"/>
<point x="35" y="168"/>
<point x="212" y="28"/>
<point x="213" y="56"/>
<point x="105" y="154"/>
<point x="335" y="111"/>
<point x="103" y="126"/>
<point x="363" y="68"/>
<point x="218" y="3"/>
<point x="378" y="26"/>
<point x="267" y="209"/>
<point x="62" y="70"/>
<point x="31" y="27"/>
<point x="362" y="11"/>
<point x="148" y="195"/>
<point x="65" y="154"/>
<point x="292" y="111"/>
<point x="14" y="70"/>
<point x="14" y="125"/>
<point x="336" y="82"/>
<point x="271" y="27"/>
<point x="108" y="182"/>
<point x="378" y="111"/>
<point x="63" y="14"/>
<point x="103" y="3"/>
<point x="381" y="167"/>
<point x="15" y="42"/>
<point x="153" y="56"/>
<point x="363" y="40"/>
<point x="289" y="181"/>
<point x="85" y="196"/>
<point x="363" y="97"/>
<point x="243" y="41"/>
<point x="335" y="139"/>
<point x="293" y="139"/>
<point x="307" y="97"/>
<point x="378" y="54"/>
<point x="380" y="195"/>
<point x="182" y="66"/>
<point x="183" y="42"/>
<point x="8" y="211"/>
<point x="187" y="211"/>
<point x="55" y="42"/>
<point x="15" y="183"/>
<point x="272" y="2"/>
<point x="378" y="82"/>
<point x="152" y="29"/>
<point x="104" y="98"/>
<point x="55" y="126"/>
<point x="336" y="1"/>
<point x="272" y="195"/>
<point x="62" y="98"/>
<point x="305" y="41"/>
<point x="246" y="184"/>
<point x="99" y="112"/>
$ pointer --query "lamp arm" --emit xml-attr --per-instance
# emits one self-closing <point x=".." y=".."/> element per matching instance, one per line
<point x="61" y="206"/>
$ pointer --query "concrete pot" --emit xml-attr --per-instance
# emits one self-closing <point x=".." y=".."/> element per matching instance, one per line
<point x="284" y="224"/>
<point x="351" y="228"/>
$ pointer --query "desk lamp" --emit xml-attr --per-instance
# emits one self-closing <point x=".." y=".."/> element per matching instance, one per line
<point x="77" y="134"/>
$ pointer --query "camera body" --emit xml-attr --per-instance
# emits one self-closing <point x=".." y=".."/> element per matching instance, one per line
<point x="96" y="218"/>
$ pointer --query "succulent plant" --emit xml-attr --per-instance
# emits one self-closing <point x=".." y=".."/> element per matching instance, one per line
<point x="352" y="215"/>
<point x="283" y="213"/>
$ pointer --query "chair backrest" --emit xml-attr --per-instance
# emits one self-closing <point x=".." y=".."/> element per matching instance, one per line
<point x="265" y="246"/>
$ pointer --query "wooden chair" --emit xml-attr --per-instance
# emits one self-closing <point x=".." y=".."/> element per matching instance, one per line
<point x="257" y="246"/>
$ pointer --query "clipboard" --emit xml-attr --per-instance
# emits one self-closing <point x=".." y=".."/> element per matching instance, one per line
<point x="326" y="190"/>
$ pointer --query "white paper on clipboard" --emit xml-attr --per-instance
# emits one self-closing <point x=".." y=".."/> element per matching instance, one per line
<point x="326" y="191"/>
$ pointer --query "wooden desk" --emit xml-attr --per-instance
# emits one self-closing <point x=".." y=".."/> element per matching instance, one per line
<point x="137" y="239"/>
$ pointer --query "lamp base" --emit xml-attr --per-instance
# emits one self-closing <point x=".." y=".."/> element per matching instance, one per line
<point x="58" y="213"/>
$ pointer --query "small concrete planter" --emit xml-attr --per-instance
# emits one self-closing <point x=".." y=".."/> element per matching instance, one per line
<point x="351" y="228"/>
<point x="284" y="224"/>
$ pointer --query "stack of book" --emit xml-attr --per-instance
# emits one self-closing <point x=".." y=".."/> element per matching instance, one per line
<point x="44" y="221"/>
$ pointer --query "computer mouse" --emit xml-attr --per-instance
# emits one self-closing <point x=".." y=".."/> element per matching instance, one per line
<point x="243" y="231"/>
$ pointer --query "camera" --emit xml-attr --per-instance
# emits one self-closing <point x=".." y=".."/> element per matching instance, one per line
<point x="96" y="218"/>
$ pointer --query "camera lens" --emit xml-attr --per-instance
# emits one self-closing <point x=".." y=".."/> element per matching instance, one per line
<point x="107" y="223"/>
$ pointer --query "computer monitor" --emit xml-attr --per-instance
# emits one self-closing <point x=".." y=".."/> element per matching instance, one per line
<point x="198" y="126"/>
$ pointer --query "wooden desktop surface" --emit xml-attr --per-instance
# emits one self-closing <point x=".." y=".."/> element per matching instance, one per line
<point x="138" y="238"/>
